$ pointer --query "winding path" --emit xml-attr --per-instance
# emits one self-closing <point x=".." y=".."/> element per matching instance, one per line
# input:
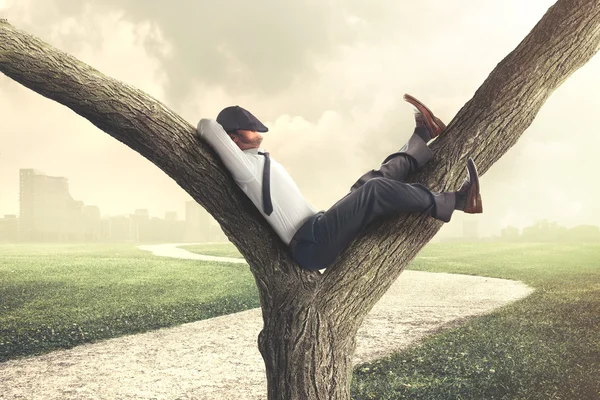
<point x="218" y="358"/>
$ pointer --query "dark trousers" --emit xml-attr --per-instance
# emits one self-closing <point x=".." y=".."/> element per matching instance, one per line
<point x="378" y="192"/>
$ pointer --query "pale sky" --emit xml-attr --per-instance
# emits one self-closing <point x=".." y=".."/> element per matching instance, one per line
<point x="326" y="77"/>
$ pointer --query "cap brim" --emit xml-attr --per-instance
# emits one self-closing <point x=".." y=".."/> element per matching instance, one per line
<point x="261" y="128"/>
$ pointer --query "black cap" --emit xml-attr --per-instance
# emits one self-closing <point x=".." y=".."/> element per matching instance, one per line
<point x="235" y="117"/>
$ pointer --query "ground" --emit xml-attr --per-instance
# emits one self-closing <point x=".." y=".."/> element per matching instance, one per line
<point x="218" y="358"/>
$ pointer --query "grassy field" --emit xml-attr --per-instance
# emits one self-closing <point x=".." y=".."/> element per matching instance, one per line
<point x="546" y="346"/>
<point x="59" y="296"/>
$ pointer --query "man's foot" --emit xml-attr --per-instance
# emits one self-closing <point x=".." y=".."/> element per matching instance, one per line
<point x="468" y="198"/>
<point x="424" y="117"/>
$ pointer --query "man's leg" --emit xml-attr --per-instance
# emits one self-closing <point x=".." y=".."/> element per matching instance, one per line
<point x="415" y="153"/>
<point x="333" y="231"/>
<point x="412" y="156"/>
<point x="320" y="240"/>
<point x="378" y="192"/>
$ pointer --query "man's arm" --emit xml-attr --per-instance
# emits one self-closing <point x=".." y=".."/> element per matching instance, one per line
<point x="231" y="155"/>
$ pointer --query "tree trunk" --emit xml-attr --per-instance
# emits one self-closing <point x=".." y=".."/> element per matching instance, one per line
<point x="310" y="320"/>
<point x="306" y="355"/>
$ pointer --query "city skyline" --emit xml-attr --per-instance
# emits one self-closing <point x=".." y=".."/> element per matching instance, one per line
<point x="3" y="193"/>
<point x="49" y="213"/>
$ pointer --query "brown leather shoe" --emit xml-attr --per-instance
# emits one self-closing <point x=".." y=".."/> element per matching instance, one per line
<point x="433" y="123"/>
<point x="470" y="188"/>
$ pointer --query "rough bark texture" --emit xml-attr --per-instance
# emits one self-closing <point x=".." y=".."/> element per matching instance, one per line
<point x="310" y="320"/>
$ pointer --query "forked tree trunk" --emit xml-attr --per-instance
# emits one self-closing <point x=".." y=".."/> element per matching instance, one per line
<point x="310" y="320"/>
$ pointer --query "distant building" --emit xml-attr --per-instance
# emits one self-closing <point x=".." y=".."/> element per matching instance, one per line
<point x="584" y="234"/>
<point x="105" y="229"/>
<point x="92" y="223"/>
<point x="510" y="233"/>
<point x="48" y="213"/>
<point x="47" y="210"/>
<point x="171" y="216"/>
<point x="9" y="228"/>
<point x="122" y="229"/>
<point x="544" y="231"/>
<point x="200" y="226"/>
<point x="141" y="231"/>
<point x="174" y="229"/>
<point x="142" y="213"/>
<point x="197" y="223"/>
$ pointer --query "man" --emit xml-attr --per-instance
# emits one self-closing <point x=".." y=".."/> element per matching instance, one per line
<point x="316" y="238"/>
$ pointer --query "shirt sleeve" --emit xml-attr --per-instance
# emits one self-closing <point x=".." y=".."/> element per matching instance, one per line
<point x="232" y="156"/>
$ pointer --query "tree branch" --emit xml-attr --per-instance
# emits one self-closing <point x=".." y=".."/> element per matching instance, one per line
<point x="160" y="135"/>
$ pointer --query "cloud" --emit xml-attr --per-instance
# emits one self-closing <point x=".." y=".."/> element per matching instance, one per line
<point x="242" y="46"/>
<point x="261" y="48"/>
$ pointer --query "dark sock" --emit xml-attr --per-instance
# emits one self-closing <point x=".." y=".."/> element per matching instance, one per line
<point x="461" y="200"/>
<point x="423" y="133"/>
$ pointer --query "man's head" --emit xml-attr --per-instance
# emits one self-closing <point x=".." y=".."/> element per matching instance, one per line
<point x="246" y="139"/>
<point x="242" y="127"/>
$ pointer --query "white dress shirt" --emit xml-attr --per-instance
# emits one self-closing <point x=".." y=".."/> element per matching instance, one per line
<point x="290" y="209"/>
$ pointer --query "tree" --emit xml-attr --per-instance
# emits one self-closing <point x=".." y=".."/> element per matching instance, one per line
<point x="311" y="320"/>
<point x="583" y="234"/>
<point x="510" y="233"/>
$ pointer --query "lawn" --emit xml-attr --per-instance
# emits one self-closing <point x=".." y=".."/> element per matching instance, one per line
<point x="546" y="346"/>
<point x="59" y="296"/>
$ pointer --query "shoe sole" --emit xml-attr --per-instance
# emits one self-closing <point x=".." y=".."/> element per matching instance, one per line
<point x="474" y="179"/>
<point x="434" y="124"/>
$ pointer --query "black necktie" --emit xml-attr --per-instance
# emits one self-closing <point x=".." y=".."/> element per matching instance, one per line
<point x="266" y="185"/>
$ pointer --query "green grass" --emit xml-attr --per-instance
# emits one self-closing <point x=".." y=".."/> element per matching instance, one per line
<point x="58" y="296"/>
<point x="546" y="346"/>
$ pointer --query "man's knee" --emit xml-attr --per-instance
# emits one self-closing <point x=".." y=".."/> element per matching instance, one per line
<point x="375" y="188"/>
<point x="375" y="184"/>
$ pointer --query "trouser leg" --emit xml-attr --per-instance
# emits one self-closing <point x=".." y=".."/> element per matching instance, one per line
<point x="324" y="237"/>
<point x="397" y="166"/>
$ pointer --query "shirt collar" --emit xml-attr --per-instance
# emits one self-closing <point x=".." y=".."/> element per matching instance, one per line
<point x="254" y="151"/>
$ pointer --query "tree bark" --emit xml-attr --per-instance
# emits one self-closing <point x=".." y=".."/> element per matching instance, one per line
<point x="308" y="354"/>
<point x="311" y="320"/>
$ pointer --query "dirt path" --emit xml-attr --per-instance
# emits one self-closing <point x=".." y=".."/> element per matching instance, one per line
<point x="218" y="358"/>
